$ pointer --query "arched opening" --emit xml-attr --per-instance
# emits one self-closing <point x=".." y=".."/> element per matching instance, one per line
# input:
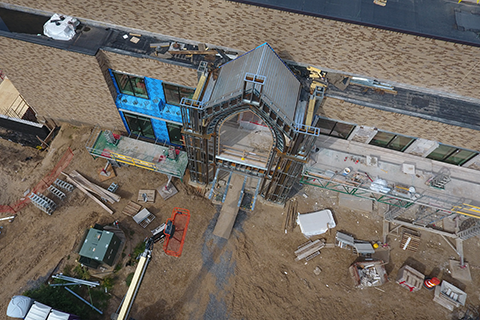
<point x="244" y="138"/>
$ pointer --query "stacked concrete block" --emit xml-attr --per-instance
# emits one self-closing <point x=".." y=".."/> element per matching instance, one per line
<point x="410" y="278"/>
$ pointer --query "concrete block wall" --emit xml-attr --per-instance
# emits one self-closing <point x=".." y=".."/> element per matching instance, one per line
<point x="401" y="124"/>
<point x="384" y="55"/>
<point x="62" y="85"/>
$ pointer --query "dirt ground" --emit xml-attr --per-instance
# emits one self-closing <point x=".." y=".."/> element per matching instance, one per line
<point x="253" y="275"/>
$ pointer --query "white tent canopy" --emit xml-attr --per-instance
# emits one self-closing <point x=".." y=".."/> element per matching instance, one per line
<point x="19" y="306"/>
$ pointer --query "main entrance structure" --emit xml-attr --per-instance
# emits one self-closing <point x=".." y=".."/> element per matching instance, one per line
<point x="260" y="82"/>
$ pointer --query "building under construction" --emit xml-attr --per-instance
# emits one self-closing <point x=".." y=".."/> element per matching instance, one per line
<point x="257" y="88"/>
<point x="366" y="112"/>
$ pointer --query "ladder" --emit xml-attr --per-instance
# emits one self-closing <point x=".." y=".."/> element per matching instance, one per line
<point x="393" y="213"/>
<point x="64" y="185"/>
<point x="43" y="203"/>
<point x="469" y="233"/>
<point x="57" y="193"/>
<point x="441" y="179"/>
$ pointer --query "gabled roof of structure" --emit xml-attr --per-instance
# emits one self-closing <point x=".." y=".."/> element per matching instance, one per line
<point x="96" y="244"/>
<point x="280" y="85"/>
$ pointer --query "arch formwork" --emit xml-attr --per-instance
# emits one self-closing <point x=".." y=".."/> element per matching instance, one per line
<point x="292" y="141"/>
<point x="292" y="144"/>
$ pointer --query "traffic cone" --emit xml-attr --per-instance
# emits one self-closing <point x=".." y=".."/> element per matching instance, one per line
<point x="430" y="283"/>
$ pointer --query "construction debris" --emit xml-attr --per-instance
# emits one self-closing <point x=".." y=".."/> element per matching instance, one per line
<point x="309" y="250"/>
<point x="73" y="281"/>
<point x="57" y="193"/>
<point x="359" y="247"/>
<point x="103" y="193"/>
<point x="63" y="185"/>
<point x="368" y="274"/>
<point x="131" y="209"/>
<point x="142" y="217"/>
<point x="10" y="218"/>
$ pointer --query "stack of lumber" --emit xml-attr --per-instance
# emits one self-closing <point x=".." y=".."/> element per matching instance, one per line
<point x="90" y="189"/>
<point x="291" y="216"/>
<point x="309" y="250"/>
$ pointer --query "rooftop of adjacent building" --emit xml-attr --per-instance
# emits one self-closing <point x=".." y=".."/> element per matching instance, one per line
<point x="453" y="110"/>
<point x="440" y="19"/>
<point x="415" y="103"/>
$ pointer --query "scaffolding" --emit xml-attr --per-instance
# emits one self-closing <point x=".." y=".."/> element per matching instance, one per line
<point x="201" y="123"/>
<point x="232" y="89"/>
<point x="423" y="207"/>
<point x="135" y="152"/>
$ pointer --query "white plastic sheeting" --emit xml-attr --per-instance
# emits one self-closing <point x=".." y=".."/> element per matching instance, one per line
<point x="60" y="27"/>
<point x="380" y="185"/>
<point x="19" y="306"/>
<point x="38" y="311"/>
<point x="316" y="222"/>
<point x="58" y="315"/>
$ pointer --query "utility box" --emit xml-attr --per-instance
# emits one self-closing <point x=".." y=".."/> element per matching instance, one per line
<point x="100" y="246"/>
<point x="410" y="278"/>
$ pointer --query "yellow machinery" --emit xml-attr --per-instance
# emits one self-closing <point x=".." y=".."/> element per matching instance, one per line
<point x="136" y="281"/>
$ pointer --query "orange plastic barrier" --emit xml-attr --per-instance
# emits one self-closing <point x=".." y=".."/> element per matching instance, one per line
<point x="42" y="185"/>
<point x="173" y="244"/>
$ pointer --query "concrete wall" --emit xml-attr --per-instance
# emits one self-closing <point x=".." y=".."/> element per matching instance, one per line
<point x="360" y="50"/>
<point x="401" y="124"/>
<point x="59" y="84"/>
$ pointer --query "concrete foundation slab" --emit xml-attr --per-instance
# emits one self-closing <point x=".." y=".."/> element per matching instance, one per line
<point x="167" y="193"/>
<point x="460" y="273"/>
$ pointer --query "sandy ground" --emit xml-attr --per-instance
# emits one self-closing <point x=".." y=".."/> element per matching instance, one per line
<point x="253" y="275"/>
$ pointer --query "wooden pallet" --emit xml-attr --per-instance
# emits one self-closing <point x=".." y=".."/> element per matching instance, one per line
<point x="143" y="218"/>
<point x="150" y="195"/>
<point x="131" y="209"/>
<point x="411" y="244"/>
